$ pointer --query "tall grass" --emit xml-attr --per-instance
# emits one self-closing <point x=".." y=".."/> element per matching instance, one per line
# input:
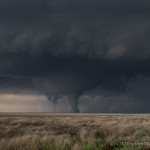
<point x="73" y="132"/>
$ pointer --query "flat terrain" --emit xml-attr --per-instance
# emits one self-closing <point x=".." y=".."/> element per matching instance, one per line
<point x="52" y="131"/>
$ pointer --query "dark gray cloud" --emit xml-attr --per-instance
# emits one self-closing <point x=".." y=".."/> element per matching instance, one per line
<point x="75" y="47"/>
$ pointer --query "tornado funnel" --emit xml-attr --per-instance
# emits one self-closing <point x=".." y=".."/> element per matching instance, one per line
<point x="73" y="100"/>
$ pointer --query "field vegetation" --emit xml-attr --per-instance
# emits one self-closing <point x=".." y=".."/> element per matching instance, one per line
<point x="45" y="131"/>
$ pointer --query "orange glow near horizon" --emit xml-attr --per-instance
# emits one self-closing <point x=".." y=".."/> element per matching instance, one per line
<point x="23" y="103"/>
<point x="21" y="96"/>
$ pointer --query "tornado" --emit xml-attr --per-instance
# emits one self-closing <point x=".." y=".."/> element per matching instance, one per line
<point x="73" y="100"/>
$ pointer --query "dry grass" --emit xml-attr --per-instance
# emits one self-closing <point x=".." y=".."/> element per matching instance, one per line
<point x="44" y="131"/>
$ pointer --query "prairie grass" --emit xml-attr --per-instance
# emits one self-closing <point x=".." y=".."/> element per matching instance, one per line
<point x="45" y="131"/>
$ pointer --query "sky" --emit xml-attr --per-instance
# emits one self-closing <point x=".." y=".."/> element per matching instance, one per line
<point x="75" y="56"/>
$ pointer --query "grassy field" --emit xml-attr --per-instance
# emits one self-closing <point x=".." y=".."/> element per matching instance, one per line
<point x="48" y="131"/>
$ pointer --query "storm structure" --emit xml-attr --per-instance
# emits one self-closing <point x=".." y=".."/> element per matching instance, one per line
<point x="86" y="51"/>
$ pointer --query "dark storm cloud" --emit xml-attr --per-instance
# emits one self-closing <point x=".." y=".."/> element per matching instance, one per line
<point x="95" y="29"/>
<point x="75" y="47"/>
